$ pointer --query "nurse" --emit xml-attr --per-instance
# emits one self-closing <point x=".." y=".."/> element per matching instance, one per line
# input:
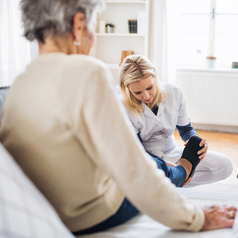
<point x="155" y="109"/>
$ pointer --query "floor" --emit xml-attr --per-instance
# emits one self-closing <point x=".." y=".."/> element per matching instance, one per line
<point x="226" y="143"/>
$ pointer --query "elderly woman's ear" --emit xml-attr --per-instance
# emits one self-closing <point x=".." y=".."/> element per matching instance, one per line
<point x="78" y="25"/>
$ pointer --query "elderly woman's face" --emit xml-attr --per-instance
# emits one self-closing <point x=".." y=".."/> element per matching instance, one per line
<point x="88" y="36"/>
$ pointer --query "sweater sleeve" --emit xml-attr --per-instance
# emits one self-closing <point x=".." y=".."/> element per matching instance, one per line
<point x="186" y="132"/>
<point x="107" y="136"/>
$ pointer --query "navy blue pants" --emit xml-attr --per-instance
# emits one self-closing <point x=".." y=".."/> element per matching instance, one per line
<point x="177" y="175"/>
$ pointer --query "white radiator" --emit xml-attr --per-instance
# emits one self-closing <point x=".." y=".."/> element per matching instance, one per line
<point x="212" y="95"/>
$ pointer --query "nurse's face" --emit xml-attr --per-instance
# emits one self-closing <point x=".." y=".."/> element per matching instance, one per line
<point x="144" y="89"/>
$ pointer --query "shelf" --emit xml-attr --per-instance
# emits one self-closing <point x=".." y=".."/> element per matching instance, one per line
<point x="119" y="34"/>
<point x="121" y="40"/>
<point x="125" y="2"/>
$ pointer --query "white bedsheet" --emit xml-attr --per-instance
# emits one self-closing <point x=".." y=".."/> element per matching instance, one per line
<point x="144" y="226"/>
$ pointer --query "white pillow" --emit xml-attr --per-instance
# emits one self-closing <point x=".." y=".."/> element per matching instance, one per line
<point x="24" y="211"/>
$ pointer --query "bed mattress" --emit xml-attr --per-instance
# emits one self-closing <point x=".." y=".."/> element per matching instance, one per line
<point x="144" y="226"/>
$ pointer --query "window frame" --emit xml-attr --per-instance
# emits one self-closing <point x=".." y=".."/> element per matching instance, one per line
<point x="212" y="25"/>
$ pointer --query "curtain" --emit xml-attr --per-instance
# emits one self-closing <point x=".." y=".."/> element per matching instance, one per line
<point x="15" y="50"/>
<point x="164" y="15"/>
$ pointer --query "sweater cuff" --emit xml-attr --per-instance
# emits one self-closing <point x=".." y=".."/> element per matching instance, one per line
<point x="198" y="222"/>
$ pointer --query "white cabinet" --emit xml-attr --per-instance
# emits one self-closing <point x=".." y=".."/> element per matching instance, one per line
<point x="109" y="46"/>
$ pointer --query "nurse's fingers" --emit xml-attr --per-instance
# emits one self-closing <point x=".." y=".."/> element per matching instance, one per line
<point x="201" y="157"/>
<point x="203" y="142"/>
<point x="202" y="151"/>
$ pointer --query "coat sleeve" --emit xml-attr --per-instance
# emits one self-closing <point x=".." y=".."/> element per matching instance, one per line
<point x="186" y="132"/>
<point x="106" y="134"/>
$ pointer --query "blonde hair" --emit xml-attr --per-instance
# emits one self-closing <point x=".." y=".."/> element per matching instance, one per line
<point x="133" y="69"/>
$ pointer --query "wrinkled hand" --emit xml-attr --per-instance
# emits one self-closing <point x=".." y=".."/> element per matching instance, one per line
<point x="218" y="217"/>
<point x="203" y="151"/>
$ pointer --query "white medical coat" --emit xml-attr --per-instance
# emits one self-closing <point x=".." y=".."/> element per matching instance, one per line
<point x="157" y="131"/>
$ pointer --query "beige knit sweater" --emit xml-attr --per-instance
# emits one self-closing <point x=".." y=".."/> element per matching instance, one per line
<point x="64" y="125"/>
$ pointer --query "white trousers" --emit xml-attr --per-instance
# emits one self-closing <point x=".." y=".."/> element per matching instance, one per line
<point x="214" y="167"/>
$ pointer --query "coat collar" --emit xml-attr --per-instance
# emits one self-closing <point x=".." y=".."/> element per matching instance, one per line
<point x="150" y="114"/>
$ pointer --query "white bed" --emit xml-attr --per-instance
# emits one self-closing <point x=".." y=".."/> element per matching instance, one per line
<point x="144" y="226"/>
<point x="25" y="213"/>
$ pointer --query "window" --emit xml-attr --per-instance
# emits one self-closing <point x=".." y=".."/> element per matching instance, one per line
<point x="14" y="48"/>
<point x="208" y="28"/>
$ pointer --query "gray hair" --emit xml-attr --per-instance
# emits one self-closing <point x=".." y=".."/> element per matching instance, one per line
<point x="42" y="18"/>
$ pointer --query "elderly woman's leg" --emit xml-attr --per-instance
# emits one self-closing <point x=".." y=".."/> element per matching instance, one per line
<point x="125" y="212"/>
<point x="177" y="175"/>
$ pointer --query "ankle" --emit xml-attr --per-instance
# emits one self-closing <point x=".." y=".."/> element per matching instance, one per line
<point x="186" y="165"/>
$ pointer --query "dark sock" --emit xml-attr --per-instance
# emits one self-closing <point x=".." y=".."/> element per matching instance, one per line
<point x="194" y="142"/>
<point x="190" y="152"/>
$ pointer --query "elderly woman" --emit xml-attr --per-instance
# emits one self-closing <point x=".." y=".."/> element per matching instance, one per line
<point x="64" y="125"/>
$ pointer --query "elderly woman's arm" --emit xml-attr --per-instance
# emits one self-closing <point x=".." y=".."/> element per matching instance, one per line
<point x="109" y="140"/>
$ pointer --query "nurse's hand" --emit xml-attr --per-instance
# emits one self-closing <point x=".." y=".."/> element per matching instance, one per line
<point x="217" y="217"/>
<point x="203" y="151"/>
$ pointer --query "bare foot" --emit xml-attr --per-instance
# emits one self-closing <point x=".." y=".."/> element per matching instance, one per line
<point x="187" y="166"/>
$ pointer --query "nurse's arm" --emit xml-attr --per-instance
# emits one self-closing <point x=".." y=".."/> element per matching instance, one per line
<point x="186" y="131"/>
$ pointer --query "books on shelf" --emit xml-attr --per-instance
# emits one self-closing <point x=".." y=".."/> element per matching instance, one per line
<point x="132" y="26"/>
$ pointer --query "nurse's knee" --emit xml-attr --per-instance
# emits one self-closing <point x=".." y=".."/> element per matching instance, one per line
<point x="226" y="165"/>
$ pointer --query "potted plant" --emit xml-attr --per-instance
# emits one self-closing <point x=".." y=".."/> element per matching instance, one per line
<point x="109" y="28"/>
<point x="211" y="59"/>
